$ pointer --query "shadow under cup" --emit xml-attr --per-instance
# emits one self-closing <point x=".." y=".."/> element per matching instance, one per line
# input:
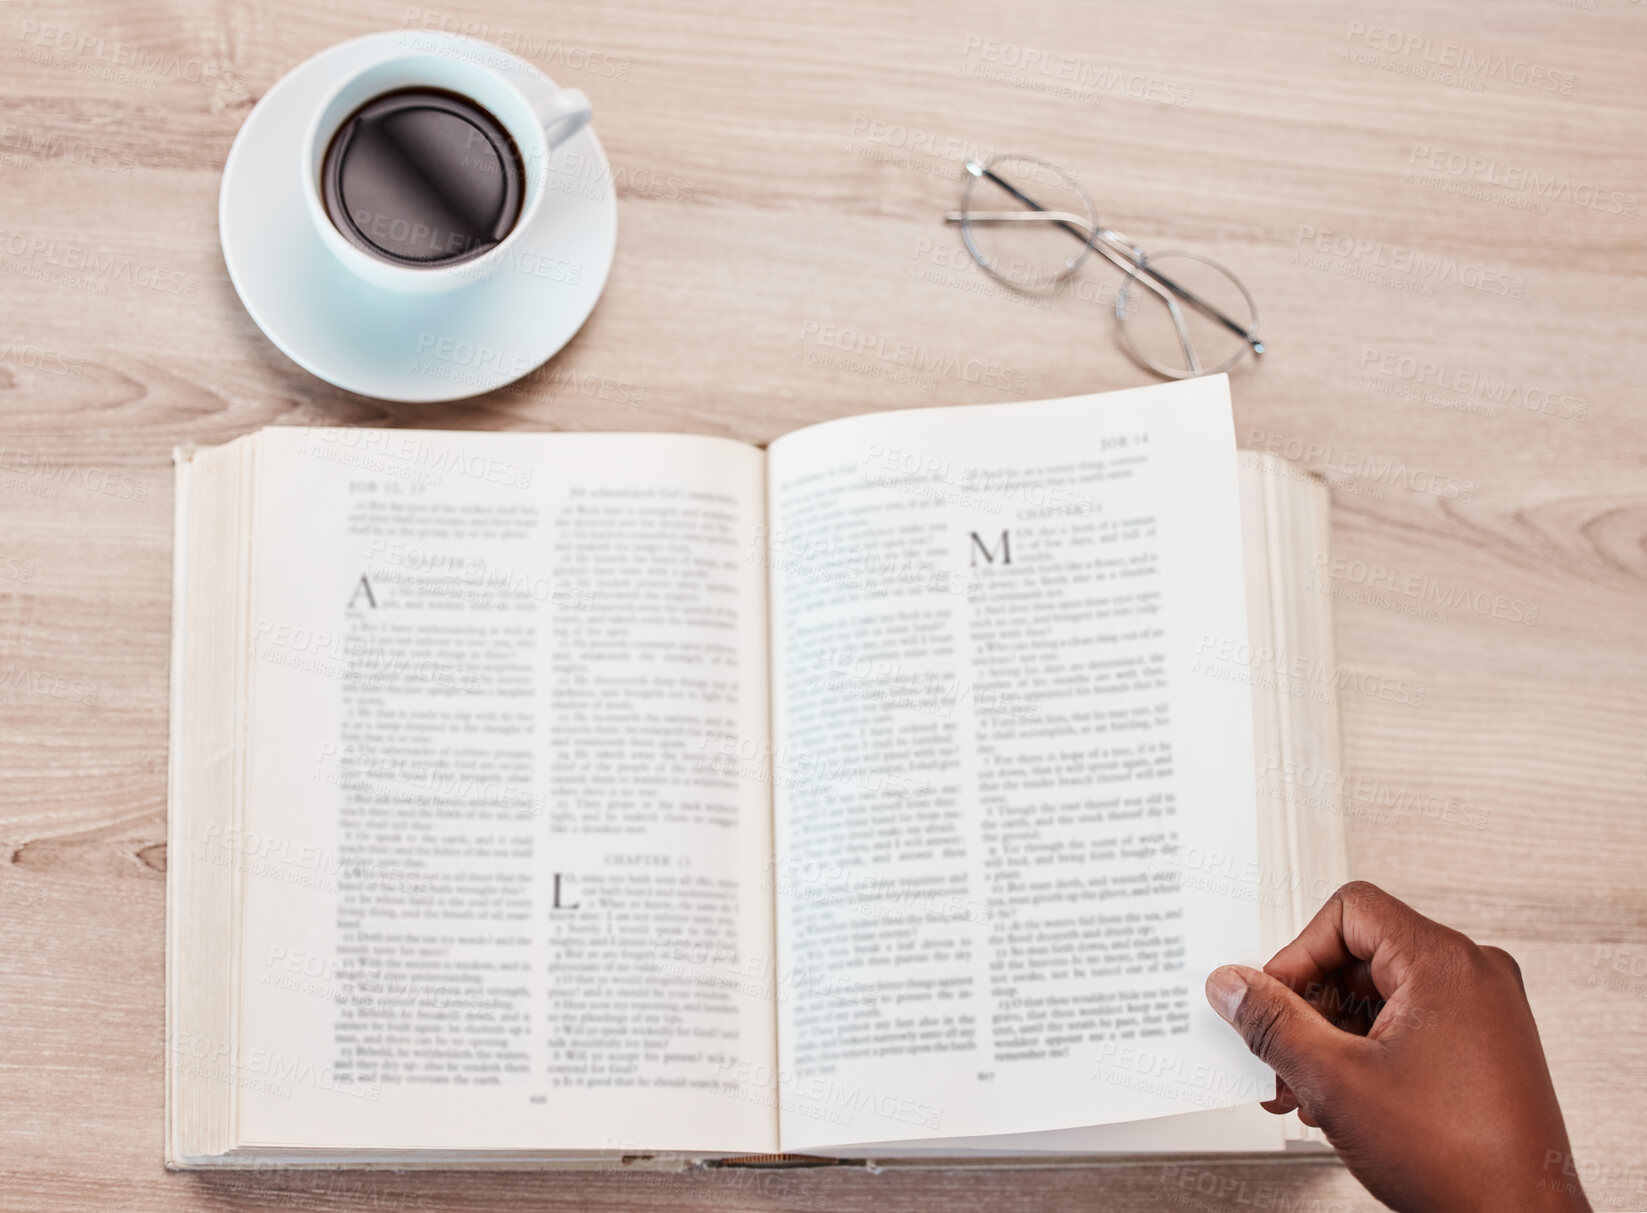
<point x="420" y="169"/>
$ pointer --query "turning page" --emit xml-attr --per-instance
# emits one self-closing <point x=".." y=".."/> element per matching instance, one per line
<point x="482" y="844"/>
<point x="1011" y="770"/>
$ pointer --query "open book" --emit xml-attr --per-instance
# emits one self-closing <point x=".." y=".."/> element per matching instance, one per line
<point x="629" y="799"/>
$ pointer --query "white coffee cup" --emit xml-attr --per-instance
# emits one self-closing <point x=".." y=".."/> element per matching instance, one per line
<point x="537" y="116"/>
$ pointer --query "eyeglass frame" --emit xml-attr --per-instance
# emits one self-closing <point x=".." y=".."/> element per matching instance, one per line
<point x="1118" y="249"/>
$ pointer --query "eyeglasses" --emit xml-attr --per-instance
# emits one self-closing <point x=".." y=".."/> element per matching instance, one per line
<point x="1180" y="314"/>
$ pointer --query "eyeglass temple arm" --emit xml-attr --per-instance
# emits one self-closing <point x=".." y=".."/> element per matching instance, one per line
<point x="1096" y="238"/>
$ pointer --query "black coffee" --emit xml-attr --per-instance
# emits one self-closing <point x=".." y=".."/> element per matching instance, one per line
<point x="422" y="177"/>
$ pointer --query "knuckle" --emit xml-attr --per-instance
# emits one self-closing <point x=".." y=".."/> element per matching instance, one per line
<point x="1365" y="900"/>
<point x="1358" y="888"/>
<point x="1359" y="892"/>
<point x="1504" y="962"/>
<point x="1265" y="1029"/>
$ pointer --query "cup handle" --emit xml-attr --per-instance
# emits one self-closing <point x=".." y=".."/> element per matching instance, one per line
<point x="563" y="115"/>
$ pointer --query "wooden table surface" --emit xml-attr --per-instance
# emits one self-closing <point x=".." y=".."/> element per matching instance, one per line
<point x="1443" y="215"/>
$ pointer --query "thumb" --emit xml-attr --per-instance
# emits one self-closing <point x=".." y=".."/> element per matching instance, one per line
<point x="1305" y="1050"/>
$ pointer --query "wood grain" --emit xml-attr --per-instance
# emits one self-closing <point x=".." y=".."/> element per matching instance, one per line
<point x="783" y="167"/>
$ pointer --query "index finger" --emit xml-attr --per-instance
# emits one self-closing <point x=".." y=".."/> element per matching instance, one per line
<point x="1359" y="922"/>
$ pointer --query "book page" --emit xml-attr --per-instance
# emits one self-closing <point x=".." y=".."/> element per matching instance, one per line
<point x="485" y="848"/>
<point x="1015" y="744"/>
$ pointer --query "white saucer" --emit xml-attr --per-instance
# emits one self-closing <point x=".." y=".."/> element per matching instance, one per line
<point x="395" y="347"/>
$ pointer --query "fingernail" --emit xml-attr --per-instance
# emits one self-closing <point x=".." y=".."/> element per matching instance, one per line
<point x="1226" y="987"/>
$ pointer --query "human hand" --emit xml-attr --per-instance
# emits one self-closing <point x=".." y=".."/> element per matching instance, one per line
<point x="1414" y="1050"/>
